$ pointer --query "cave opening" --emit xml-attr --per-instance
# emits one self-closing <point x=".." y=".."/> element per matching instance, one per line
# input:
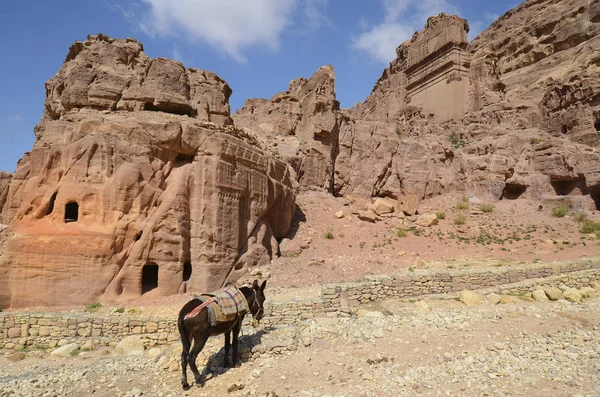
<point x="571" y="187"/>
<point x="71" y="212"/>
<point x="513" y="192"/>
<point x="149" y="277"/>
<point x="187" y="271"/>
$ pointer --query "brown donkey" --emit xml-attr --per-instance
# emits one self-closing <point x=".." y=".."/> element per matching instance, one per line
<point x="199" y="329"/>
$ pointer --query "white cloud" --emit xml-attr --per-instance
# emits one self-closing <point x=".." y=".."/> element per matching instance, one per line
<point x="229" y="26"/>
<point x="315" y="17"/>
<point x="17" y="117"/>
<point x="402" y="19"/>
<point x="178" y="56"/>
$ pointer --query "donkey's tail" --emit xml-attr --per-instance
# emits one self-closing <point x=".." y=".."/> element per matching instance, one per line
<point x="186" y="340"/>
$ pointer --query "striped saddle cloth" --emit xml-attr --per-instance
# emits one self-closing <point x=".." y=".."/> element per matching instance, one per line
<point x="223" y="305"/>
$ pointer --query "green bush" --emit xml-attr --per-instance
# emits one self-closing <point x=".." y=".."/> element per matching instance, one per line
<point x="462" y="205"/>
<point x="401" y="232"/>
<point x="535" y="141"/>
<point x="486" y="207"/>
<point x="440" y="215"/>
<point x="94" y="307"/>
<point x="561" y="210"/>
<point x="589" y="227"/>
<point x="580" y="216"/>
<point x="328" y="234"/>
<point x="120" y="310"/>
<point x="460" y="220"/>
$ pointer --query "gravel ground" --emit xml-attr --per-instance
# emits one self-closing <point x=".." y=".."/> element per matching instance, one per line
<point x="397" y="348"/>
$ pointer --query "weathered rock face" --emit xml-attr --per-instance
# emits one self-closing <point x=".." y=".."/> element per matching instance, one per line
<point x="5" y="178"/>
<point x="539" y="64"/>
<point x="431" y="72"/>
<point x="107" y="74"/>
<point x="301" y="122"/>
<point x="130" y="189"/>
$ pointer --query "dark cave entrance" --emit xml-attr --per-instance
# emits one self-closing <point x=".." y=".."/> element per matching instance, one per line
<point x="149" y="277"/>
<point x="71" y="212"/>
<point x="187" y="271"/>
<point x="595" y="195"/>
<point x="572" y="187"/>
<point x="513" y="192"/>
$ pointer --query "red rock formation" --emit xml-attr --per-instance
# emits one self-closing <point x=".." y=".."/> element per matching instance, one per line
<point x="302" y="124"/>
<point x="4" y="185"/>
<point x="138" y="183"/>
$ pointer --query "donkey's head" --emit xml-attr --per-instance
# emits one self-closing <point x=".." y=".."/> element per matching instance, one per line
<point x="257" y="308"/>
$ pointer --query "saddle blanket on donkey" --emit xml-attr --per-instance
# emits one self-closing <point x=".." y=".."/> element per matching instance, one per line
<point x="223" y="305"/>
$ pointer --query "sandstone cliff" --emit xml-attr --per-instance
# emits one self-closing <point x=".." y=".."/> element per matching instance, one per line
<point x="137" y="183"/>
<point x="537" y="66"/>
<point x="300" y="125"/>
<point x="481" y="118"/>
<point x="4" y="185"/>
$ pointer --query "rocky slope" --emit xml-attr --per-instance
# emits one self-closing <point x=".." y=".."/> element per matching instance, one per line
<point x="4" y="185"/>
<point x="137" y="183"/>
<point x="528" y="128"/>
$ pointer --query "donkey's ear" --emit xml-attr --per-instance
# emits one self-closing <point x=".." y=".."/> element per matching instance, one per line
<point x="263" y="285"/>
<point x="255" y="284"/>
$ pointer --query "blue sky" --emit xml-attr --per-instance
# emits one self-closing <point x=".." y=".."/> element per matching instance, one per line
<point x="257" y="46"/>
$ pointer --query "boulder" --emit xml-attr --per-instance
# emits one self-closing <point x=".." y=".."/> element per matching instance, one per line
<point x="130" y="346"/>
<point x="367" y="216"/>
<point x="289" y="247"/>
<point x="493" y="298"/>
<point x="470" y="298"/>
<point x="553" y="293"/>
<point x="67" y="350"/>
<point x="540" y="295"/>
<point x="572" y="295"/>
<point x="427" y="220"/>
<point x="382" y="206"/>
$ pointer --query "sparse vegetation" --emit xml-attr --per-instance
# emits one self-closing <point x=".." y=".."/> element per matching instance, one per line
<point x="440" y="215"/>
<point x="341" y="235"/>
<point x="120" y="310"/>
<point x="328" y="234"/>
<point x="486" y="207"/>
<point x="455" y="140"/>
<point x="535" y="141"/>
<point x="589" y="227"/>
<point x="94" y="307"/>
<point x="462" y="205"/>
<point x="401" y="232"/>
<point x="561" y="210"/>
<point x="460" y="220"/>
<point x="580" y="216"/>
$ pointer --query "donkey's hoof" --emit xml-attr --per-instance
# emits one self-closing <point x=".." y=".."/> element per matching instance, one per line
<point x="200" y="384"/>
<point x="186" y="386"/>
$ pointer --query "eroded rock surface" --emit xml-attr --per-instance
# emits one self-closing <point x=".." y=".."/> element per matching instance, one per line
<point x="137" y="184"/>
<point x="5" y="178"/>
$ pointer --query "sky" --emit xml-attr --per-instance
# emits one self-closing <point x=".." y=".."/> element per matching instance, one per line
<point x="257" y="46"/>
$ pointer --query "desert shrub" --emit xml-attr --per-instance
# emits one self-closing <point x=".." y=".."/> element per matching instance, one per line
<point x="440" y="215"/>
<point x="94" y="307"/>
<point x="580" y="216"/>
<point x="460" y="220"/>
<point x="589" y="227"/>
<point x="535" y="141"/>
<point x="455" y="140"/>
<point x="328" y="234"/>
<point x="120" y="310"/>
<point x="401" y="232"/>
<point x="462" y="205"/>
<point x="486" y="207"/>
<point x="561" y="210"/>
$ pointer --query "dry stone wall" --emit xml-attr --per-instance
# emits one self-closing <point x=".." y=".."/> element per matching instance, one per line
<point x="335" y="300"/>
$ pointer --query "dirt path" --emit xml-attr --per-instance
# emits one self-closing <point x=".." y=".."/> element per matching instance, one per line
<point x="433" y="348"/>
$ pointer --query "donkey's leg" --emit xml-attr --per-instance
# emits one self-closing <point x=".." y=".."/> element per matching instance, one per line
<point x="227" y="344"/>
<point x="199" y="342"/>
<point x="236" y="333"/>
<point x="187" y="344"/>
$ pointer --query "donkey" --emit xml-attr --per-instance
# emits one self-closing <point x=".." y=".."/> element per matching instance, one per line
<point x="199" y="329"/>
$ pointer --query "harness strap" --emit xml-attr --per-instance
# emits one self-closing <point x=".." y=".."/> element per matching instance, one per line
<point x="198" y="309"/>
